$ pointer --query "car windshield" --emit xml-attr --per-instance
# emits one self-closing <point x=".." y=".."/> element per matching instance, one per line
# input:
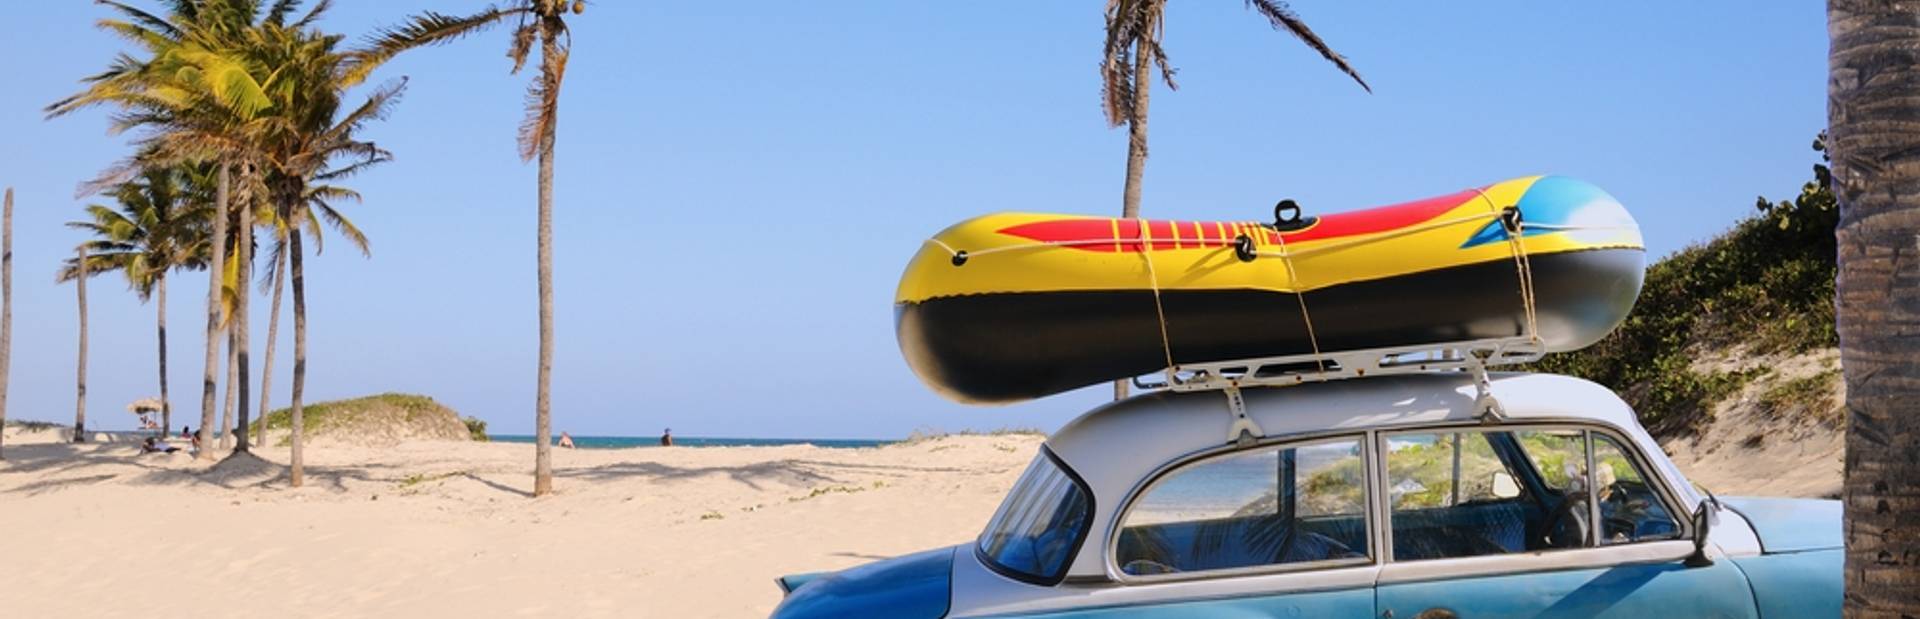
<point x="1035" y="532"/>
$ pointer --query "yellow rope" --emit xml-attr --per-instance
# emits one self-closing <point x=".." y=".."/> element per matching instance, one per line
<point x="1300" y="292"/>
<point x="1153" y="279"/>
<point x="1522" y="264"/>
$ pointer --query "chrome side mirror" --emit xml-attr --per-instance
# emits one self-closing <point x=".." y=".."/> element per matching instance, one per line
<point x="1702" y="525"/>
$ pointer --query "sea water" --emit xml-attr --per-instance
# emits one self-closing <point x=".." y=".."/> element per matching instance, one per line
<point x="619" y="442"/>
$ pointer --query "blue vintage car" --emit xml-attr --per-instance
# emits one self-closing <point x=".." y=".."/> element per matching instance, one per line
<point x="1422" y="496"/>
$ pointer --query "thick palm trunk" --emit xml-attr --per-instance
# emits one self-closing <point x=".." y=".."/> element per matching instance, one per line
<point x="160" y="324"/>
<point x="6" y="306"/>
<point x="542" y="419"/>
<point x="214" y="284"/>
<point x="273" y="339"/>
<point x="297" y="462"/>
<point x="1873" y="99"/>
<point x="80" y="369"/>
<point x="241" y="324"/>
<point x="1136" y="158"/>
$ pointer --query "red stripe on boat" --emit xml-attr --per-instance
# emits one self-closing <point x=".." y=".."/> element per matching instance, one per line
<point x="1380" y="219"/>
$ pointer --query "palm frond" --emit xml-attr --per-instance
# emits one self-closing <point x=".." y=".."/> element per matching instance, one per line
<point x="143" y="18"/>
<point x="319" y="9"/>
<point x="429" y="28"/>
<point x="543" y="105"/>
<point x="278" y="12"/>
<point x="1283" y="19"/>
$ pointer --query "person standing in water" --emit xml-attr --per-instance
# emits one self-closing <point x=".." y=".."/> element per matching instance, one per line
<point x="666" y="438"/>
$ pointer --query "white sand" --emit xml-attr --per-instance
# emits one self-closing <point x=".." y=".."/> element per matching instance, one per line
<point x="447" y="529"/>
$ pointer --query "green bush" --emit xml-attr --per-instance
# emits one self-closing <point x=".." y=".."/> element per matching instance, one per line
<point x="1766" y="285"/>
<point x="476" y="427"/>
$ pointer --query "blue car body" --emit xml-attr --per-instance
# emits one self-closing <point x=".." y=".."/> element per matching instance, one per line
<point x="1759" y="558"/>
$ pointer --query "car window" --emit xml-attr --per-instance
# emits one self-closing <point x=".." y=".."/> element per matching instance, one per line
<point x="1040" y="524"/>
<point x="1476" y="492"/>
<point x="1630" y="508"/>
<point x="1265" y="506"/>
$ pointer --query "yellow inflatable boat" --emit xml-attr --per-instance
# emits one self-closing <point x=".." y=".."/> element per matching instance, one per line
<point x="1013" y="306"/>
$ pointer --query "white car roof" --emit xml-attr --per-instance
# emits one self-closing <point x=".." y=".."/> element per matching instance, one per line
<point x="1115" y="447"/>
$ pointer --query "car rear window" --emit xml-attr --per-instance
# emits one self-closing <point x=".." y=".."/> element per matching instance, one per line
<point x="1037" y="530"/>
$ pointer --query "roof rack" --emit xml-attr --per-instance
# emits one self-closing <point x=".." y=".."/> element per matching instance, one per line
<point x="1468" y="355"/>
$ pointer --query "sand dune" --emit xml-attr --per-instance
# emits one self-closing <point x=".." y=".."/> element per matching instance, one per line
<point x="447" y="529"/>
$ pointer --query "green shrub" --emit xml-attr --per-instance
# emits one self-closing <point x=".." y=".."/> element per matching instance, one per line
<point x="1765" y="286"/>
<point x="476" y="427"/>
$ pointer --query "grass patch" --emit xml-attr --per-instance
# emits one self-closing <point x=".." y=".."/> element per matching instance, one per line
<point x="34" y="426"/>
<point x="826" y="490"/>
<point x="1807" y="397"/>
<point x="922" y="435"/>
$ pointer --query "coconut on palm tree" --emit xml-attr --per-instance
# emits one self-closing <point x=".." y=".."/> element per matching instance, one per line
<point x="1131" y="55"/>
<point x="541" y="22"/>
<point x="159" y="225"/>
<point x="1875" y="148"/>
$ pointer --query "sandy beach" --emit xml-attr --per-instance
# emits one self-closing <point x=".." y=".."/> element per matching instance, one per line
<point x="433" y="529"/>
<point x="440" y="529"/>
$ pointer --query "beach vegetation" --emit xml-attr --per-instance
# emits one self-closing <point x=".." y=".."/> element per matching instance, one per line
<point x="535" y="22"/>
<point x="476" y="428"/>
<point x="1808" y="398"/>
<point x="1765" y="286"/>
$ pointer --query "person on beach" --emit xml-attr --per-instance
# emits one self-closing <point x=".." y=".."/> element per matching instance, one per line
<point x="186" y="432"/>
<point x="666" y="438"/>
<point x="566" y="440"/>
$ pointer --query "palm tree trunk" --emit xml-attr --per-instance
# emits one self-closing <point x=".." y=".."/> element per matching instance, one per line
<point x="273" y="338"/>
<point x="6" y="308"/>
<point x="226" y="411"/>
<point x="1873" y="95"/>
<point x="241" y="294"/>
<point x="80" y="369"/>
<point x="215" y="282"/>
<point x="160" y="320"/>
<point x="542" y="403"/>
<point x="297" y="463"/>
<point x="1136" y="157"/>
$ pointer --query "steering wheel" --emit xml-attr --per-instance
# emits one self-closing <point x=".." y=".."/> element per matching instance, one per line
<point x="1625" y="515"/>
<point x="1566" y="516"/>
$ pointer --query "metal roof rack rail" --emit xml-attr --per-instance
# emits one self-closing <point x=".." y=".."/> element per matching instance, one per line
<point x="1468" y="355"/>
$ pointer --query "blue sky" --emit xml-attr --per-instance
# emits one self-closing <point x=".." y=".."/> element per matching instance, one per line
<point x="739" y="186"/>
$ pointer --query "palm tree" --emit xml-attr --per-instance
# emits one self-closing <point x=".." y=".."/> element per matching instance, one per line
<point x="1126" y="73"/>
<point x="6" y="308"/>
<point x="80" y="376"/>
<point x="542" y="21"/>
<point x="160" y="226"/>
<point x="318" y="202"/>
<point x="197" y="96"/>
<point x="1876" y="179"/>
<point x="306" y="144"/>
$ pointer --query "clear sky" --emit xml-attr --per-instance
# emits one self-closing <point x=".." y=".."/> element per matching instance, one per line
<point x="740" y="185"/>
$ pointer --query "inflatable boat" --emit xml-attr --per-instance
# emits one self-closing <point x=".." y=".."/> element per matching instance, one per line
<point x="1013" y="306"/>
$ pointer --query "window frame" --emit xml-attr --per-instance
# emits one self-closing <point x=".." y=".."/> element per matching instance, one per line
<point x="1370" y="511"/>
<point x="1073" y="552"/>
<point x="1588" y="431"/>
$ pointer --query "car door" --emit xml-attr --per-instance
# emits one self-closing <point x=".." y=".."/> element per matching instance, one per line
<point x="1598" y="538"/>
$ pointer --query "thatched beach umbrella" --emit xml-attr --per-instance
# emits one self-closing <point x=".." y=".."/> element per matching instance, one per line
<point x="143" y="406"/>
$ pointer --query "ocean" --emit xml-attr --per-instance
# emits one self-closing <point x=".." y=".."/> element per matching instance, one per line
<point x="621" y="442"/>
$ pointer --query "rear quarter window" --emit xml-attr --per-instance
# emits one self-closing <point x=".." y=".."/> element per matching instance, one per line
<point x="1040" y="526"/>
